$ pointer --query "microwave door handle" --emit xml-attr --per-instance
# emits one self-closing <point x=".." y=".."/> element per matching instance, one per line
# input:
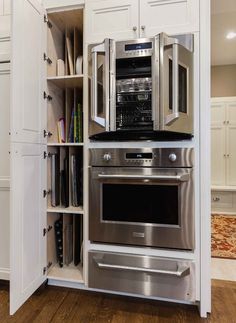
<point x="169" y="119"/>
<point x="179" y="178"/>
<point x="180" y="272"/>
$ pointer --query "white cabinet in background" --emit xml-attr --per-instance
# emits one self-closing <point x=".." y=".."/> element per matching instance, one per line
<point x="223" y="148"/>
<point x="223" y="155"/>
<point x="125" y="19"/>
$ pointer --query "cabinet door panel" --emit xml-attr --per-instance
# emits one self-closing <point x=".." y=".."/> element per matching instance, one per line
<point x="6" y="7"/>
<point x="231" y="155"/>
<point x="218" y="155"/>
<point x="27" y="165"/>
<point x="231" y="146"/>
<point x="111" y="19"/>
<point x="28" y="209"/>
<point x="28" y="80"/>
<point x="170" y="16"/>
<point x="4" y="121"/>
<point x="218" y="114"/>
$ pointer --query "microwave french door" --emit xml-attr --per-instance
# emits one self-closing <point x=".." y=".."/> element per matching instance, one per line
<point x="170" y="82"/>
<point x="139" y="206"/>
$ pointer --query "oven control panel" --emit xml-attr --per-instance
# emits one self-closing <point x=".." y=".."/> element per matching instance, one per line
<point x="146" y="157"/>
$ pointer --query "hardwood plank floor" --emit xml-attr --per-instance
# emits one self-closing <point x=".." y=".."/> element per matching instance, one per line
<point x="53" y="304"/>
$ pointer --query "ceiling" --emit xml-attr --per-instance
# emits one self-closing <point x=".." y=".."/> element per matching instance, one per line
<point x="223" y="20"/>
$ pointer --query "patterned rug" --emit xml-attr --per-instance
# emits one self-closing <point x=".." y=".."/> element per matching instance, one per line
<point x="223" y="236"/>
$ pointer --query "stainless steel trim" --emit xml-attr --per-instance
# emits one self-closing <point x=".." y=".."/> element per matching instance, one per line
<point x="181" y="271"/>
<point x="178" y="178"/>
<point x="101" y="48"/>
<point x="169" y="119"/>
<point x="155" y="84"/>
<point x="112" y="85"/>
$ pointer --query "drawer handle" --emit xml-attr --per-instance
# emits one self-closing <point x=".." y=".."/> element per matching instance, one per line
<point x="179" y="178"/>
<point x="216" y="199"/>
<point x="180" y="272"/>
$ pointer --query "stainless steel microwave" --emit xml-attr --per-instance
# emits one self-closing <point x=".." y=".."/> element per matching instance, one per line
<point x="142" y="88"/>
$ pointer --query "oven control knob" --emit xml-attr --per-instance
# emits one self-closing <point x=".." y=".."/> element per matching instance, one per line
<point x="107" y="157"/>
<point x="172" y="157"/>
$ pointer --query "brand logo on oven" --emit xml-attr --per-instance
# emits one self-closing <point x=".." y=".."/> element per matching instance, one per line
<point x="138" y="234"/>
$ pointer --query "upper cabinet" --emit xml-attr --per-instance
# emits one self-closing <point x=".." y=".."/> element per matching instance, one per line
<point x="124" y="19"/>
<point x="170" y="16"/>
<point x="118" y="19"/>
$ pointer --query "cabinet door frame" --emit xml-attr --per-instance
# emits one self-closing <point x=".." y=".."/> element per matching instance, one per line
<point x="27" y="162"/>
<point x="230" y="126"/>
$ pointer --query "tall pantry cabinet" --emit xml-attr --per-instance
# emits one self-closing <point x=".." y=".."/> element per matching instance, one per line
<point x="41" y="97"/>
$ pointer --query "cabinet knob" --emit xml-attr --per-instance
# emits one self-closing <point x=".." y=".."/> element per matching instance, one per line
<point x="216" y="199"/>
<point x="143" y="27"/>
<point x="134" y="28"/>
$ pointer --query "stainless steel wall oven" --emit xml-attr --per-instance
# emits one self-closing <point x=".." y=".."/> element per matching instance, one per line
<point x="142" y="88"/>
<point x="142" y="197"/>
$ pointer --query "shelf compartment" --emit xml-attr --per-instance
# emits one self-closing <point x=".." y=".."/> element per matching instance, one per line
<point x="69" y="81"/>
<point x="69" y="210"/>
<point x="68" y="273"/>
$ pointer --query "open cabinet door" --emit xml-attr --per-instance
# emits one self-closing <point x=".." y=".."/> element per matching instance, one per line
<point x="28" y="166"/>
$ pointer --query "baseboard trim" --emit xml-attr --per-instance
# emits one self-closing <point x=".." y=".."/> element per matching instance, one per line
<point x="4" y="274"/>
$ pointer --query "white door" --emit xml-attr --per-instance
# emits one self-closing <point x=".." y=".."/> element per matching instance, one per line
<point x="231" y="143"/>
<point x="116" y="19"/>
<point x="171" y="17"/>
<point x="218" y="143"/>
<point x="28" y="166"/>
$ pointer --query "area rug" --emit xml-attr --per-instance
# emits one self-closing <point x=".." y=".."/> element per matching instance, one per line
<point x="223" y="236"/>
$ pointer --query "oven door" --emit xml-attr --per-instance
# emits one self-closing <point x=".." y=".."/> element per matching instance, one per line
<point x="101" y="70"/>
<point x="173" y="71"/>
<point x="142" y="206"/>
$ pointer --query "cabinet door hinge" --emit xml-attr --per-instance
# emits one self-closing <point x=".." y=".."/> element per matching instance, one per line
<point x="46" y="155"/>
<point x="47" y="267"/>
<point x="47" y="96"/>
<point x="47" y="133"/>
<point x="45" y="193"/>
<point x="46" y="20"/>
<point x="47" y="59"/>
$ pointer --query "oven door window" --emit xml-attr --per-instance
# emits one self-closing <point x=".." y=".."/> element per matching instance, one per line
<point x="138" y="203"/>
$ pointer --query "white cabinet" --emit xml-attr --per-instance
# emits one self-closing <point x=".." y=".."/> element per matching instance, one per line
<point x="118" y="19"/>
<point x="170" y="16"/>
<point x="124" y="19"/>
<point x="4" y="170"/>
<point x="223" y="149"/>
<point x="40" y="99"/>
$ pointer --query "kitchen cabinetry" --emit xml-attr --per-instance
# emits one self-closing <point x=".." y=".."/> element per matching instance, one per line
<point x="39" y="98"/>
<point x="223" y="153"/>
<point x="4" y="170"/>
<point x="129" y="19"/>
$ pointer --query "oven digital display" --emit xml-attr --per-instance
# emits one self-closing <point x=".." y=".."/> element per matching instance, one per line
<point x="139" y="156"/>
<point x="138" y="46"/>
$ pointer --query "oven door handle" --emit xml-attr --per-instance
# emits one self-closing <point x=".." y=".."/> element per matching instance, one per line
<point x="179" y="178"/>
<point x="181" y="271"/>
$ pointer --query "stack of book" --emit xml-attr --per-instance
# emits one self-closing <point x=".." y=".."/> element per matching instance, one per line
<point x="76" y="125"/>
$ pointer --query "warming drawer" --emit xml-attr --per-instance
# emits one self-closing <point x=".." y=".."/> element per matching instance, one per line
<point x="143" y="275"/>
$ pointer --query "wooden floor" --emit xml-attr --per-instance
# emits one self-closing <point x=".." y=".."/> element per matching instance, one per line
<point x="54" y="304"/>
